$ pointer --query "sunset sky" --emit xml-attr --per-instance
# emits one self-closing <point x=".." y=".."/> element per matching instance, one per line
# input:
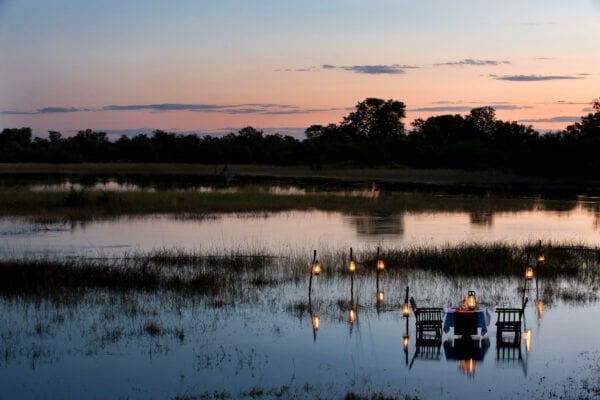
<point x="281" y="65"/>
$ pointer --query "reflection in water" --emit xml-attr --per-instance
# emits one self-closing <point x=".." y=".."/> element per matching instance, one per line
<point x="483" y="218"/>
<point x="527" y="340"/>
<point x="378" y="225"/>
<point x="467" y="351"/>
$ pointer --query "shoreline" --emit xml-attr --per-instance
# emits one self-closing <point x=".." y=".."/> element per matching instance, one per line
<point x="402" y="178"/>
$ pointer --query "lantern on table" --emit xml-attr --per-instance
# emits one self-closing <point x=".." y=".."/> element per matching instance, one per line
<point x="471" y="301"/>
<point x="529" y="274"/>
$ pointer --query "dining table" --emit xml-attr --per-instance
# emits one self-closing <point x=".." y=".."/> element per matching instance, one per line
<point x="467" y="321"/>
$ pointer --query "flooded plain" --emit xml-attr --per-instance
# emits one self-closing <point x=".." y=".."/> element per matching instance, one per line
<point x="262" y="336"/>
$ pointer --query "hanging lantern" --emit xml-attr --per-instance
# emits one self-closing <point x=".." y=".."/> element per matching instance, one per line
<point x="529" y="274"/>
<point x="379" y="296"/>
<point x="316" y="322"/>
<point x="471" y="301"/>
<point x="351" y="316"/>
<point x="351" y="266"/>
<point x="405" y="341"/>
<point x="541" y="258"/>
<point x="316" y="268"/>
<point x="405" y="310"/>
<point x="380" y="265"/>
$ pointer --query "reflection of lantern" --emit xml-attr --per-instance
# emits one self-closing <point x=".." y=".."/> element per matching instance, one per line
<point x="529" y="273"/>
<point x="405" y="310"/>
<point x="380" y="265"/>
<point x="467" y="367"/>
<point x="316" y="321"/>
<point x="540" y="308"/>
<point x="351" y="316"/>
<point x="352" y="266"/>
<point x="527" y="337"/>
<point x="316" y="268"/>
<point x="405" y="341"/>
<point x="541" y="258"/>
<point x="471" y="300"/>
<point x="379" y="296"/>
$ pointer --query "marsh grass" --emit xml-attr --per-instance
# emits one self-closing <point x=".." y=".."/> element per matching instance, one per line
<point x="239" y="274"/>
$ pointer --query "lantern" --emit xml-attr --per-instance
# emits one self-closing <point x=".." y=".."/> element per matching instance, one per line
<point x="380" y="265"/>
<point x="316" y="322"/>
<point x="405" y="310"/>
<point x="379" y="296"/>
<point x="541" y="258"/>
<point x="351" y="266"/>
<point x="351" y="316"/>
<point x="405" y="341"/>
<point x="529" y="273"/>
<point x="316" y="268"/>
<point x="471" y="300"/>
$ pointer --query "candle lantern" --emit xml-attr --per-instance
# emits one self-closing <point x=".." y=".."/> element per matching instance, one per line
<point x="351" y="316"/>
<point x="529" y="274"/>
<point x="316" y="322"/>
<point x="351" y="266"/>
<point x="379" y="296"/>
<point x="316" y="268"/>
<point x="405" y="341"/>
<point x="405" y="310"/>
<point x="540" y="308"/>
<point x="380" y="265"/>
<point x="541" y="258"/>
<point x="471" y="300"/>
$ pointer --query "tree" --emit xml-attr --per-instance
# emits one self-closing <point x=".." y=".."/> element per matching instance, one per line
<point x="589" y="127"/>
<point x="376" y="119"/>
<point x="482" y="121"/>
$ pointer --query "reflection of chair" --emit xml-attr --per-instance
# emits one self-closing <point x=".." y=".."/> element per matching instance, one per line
<point x="509" y="320"/>
<point x="428" y="320"/>
<point x="508" y="351"/>
<point x="428" y="349"/>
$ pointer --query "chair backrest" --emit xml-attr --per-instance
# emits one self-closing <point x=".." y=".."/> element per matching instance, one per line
<point x="413" y="305"/>
<point x="525" y="303"/>
<point x="509" y="314"/>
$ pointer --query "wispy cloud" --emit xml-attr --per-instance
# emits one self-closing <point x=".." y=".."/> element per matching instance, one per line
<point x="551" y="119"/>
<point x="534" y="78"/>
<point x="369" y="69"/>
<point x="464" y="108"/>
<point x="250" y="108"/>
<point x="565" y="102"/>
<point x="472" y="62"/>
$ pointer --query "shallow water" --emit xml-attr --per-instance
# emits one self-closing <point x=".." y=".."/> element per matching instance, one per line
<point x="277" y="231"/>
<point x="257" y="342"/>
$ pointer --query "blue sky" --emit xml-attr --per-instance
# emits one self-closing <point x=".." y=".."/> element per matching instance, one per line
<point x="74" y="59"/>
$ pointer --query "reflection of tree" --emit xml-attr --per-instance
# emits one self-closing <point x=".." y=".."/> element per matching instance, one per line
<point x="378" y="225"/>
<point x="482" y="218"/>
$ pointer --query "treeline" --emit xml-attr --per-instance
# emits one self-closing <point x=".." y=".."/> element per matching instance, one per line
<point x="373" y="134"/>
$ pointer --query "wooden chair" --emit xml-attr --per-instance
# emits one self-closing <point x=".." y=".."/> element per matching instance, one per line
<point x="428" y="320"/>
<point x="509" y="320"/>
